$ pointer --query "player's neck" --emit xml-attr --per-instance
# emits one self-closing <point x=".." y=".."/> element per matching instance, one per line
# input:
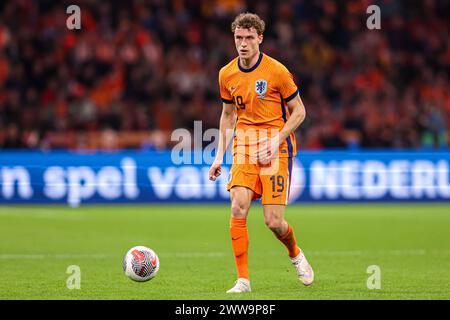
<point x="250" y="62"/>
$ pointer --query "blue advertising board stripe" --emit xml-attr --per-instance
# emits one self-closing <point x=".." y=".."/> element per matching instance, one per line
<point x="152" y="177"/>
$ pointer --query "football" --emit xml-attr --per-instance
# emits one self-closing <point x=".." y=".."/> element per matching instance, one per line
<point x="140" y="264"/>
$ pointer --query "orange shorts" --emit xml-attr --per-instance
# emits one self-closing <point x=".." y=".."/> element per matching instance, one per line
<point x="269" y="183"/>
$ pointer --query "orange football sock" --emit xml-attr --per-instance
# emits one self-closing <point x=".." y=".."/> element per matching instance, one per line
<point x="239" y="241"/>
<point x="288" y="239"/>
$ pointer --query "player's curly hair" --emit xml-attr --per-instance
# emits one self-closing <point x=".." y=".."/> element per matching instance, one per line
<point x="248" y="20"/>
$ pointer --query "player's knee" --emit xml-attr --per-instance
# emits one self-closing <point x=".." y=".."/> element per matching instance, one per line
<point x="238" y="209"/>
<point x="274" y="223"/>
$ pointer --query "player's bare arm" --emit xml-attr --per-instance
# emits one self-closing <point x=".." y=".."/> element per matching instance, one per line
<point x="227" y="124"/>
<point x="269" y="147"/>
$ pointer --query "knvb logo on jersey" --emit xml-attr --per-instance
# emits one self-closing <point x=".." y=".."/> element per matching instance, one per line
<point x="261" y="88"/>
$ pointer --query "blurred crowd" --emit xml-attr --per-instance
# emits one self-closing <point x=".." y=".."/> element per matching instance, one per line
<point x="138" y="69"/>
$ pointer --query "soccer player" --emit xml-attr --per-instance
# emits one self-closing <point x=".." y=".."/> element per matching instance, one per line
<point x="261" y="104"/>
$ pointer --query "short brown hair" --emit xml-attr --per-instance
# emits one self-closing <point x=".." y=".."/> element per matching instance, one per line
<point x="248" y="20"/>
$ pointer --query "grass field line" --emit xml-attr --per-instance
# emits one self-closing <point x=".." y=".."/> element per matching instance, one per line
<point x="104" y="256"/>
<point x="336" y="253"/>
<point x="44" y="214"/>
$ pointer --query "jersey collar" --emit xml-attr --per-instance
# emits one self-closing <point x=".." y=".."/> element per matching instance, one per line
<point x="252" y="68"/>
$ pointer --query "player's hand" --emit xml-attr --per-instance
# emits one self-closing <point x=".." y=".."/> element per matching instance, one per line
<point x="268" y="149"/>
<point x="215" y="171"/>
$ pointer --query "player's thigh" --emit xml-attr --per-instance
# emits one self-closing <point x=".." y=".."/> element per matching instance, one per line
<point x="275" y="182"/>
<point x="241" y="198"/>
<point x="245" y="175"/>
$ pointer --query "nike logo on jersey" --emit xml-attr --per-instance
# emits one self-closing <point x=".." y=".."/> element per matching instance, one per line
<point x="276" y="196"/>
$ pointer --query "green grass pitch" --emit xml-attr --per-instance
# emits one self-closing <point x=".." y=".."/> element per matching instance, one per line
<point x="410" y="244"/>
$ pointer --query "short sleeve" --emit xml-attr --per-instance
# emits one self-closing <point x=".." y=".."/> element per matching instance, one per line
<point x="287" y="87"/>
<point x="224" y="93"/>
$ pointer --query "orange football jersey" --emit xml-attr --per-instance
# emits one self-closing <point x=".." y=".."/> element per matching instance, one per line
<point x="259" y="95"/>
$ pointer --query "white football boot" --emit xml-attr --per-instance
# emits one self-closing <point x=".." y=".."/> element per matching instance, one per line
<point x="304" y="271"/>
<point x="241" y="285"/>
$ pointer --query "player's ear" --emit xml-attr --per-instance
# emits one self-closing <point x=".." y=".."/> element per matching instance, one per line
<point x="260" y="39"/>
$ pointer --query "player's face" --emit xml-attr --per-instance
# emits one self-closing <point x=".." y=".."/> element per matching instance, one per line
<point x="247" y="42"/>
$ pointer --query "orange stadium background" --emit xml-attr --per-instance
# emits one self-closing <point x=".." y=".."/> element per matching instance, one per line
<point x="119" y="81"/>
